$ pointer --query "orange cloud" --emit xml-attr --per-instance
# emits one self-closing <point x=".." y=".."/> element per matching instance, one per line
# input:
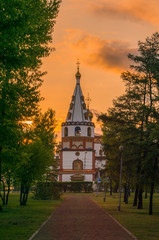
<point x="136" y="10"/>
<point x="106" y="54"/>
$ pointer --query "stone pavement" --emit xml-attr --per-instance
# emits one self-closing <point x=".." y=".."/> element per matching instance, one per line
<point x="79" y="218"/>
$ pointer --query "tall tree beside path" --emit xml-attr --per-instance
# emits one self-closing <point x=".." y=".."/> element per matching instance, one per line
<point x="26" y="28"/>
<point x="137" y="111"/>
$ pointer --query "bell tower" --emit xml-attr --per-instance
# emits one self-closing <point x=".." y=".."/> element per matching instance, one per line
<point x="77" y="157"/>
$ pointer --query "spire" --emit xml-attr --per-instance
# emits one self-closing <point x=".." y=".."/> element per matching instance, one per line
<point x="78" y="75"/>
<point x="78" y="111"/>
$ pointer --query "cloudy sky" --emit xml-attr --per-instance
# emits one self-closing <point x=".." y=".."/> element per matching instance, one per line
<point x="100" y="33"/>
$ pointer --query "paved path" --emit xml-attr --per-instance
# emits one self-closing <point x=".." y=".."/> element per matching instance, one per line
<point x="79" y="218"/>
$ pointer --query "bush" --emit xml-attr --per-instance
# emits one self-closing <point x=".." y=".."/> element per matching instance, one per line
<point x="52" y="190"/>
<point x="78" y="186"/>
<point x="47" y="190"/>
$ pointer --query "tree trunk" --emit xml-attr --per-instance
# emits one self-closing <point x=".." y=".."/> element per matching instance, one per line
<point x="151" y="199"/>
<point x="146" y="193"/>
<point x="7" y="195"/>
<point x="136" y="196"/>
<point x="3" y="195"/>
<point x="24" y="194"/>
<point x="140" y="199"/>
<point x="155" y="170"/>
<point x="110" y="187"/>
<point x="126" y="193"/>
<point x="0" y="176"/>
<point x="116" y="187"/>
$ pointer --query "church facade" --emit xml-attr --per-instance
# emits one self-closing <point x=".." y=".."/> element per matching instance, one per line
<point x="77" y="154"/>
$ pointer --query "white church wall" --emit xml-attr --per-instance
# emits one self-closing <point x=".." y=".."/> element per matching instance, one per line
<point x="71" y="130"/>
<point x="66" y="144"/>
<point x="97" y="147"/>
<point x="89" y="144"/>
<point x="67" y="177"/>
<point x="89" y="177"/>
<point x="69" y="157"/>
<point x="100" y="164"/>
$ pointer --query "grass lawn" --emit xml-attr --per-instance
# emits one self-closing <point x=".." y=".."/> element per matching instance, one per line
<point x="138" y="222"/>
<point x="20" y="222"/>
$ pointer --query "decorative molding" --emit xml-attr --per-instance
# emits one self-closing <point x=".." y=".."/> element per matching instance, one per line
<point x="78" y="123"/>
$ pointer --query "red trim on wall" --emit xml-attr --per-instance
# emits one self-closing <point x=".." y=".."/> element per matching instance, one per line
<point x="84" y="142"/>
<point x="93" y="143"/>
<point x="61" y="161"/>
<point x="60" y="178"/>
<point x="70" y="142"/>
<point x="62" y="143"/>
<point x="93" y="161"/>
<point x="93" y="177"/>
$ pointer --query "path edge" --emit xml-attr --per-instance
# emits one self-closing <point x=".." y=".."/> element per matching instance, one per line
<point x="125" y="229"/>
<point x="35" y="233"/>
<point x="42" y="225"/>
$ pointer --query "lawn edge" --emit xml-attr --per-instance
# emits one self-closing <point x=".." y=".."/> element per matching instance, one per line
<point x="43" y="224"/>
<point x="124" y="228"/>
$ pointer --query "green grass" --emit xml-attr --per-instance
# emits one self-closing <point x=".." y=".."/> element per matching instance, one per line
<point x="20" y="222"/>
<point x="138" y="222"/>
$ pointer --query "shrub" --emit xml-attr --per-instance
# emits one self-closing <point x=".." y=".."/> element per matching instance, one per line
<point x="47" y="190"/>
<point x="78" y="186"/>
<point x="52" y="190"/>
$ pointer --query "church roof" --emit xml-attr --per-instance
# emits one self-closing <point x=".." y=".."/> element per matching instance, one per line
<point x="77" y="110"/>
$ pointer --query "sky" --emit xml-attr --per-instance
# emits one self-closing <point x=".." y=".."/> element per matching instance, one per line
<point x="100" y="33"/>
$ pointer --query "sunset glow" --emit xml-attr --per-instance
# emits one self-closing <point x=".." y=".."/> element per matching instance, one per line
<point x="100" y="33"/>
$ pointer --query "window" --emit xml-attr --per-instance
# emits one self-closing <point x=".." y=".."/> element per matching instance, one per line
<point x="77" y="165"/>
<point x="65" y="132"/>
<point x="77" y="131"/>
<point x="89" y="132"/>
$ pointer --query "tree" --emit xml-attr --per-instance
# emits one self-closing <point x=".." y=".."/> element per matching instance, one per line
<point x="138" y="111"/>
<point x="37" y="152"/>
<point x="24" y="37"/>
<point x="44" y="128"/>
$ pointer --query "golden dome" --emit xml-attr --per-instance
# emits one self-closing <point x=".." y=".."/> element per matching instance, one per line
<point x="78" y="75"/>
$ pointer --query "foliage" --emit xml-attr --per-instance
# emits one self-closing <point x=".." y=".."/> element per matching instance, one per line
<point x="24" y="37"/>
<point x="76" y="186"/>
<point x="133" y="119"/>
<point x="51" y="190"/>
<point x="37" y="153"/>
<point x="47" y="190"/>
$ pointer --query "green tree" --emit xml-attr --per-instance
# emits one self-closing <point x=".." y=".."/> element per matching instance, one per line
<point x="44" y="128"/>
<point x="37" y="153"/>
<point x="138" y="111"/>
<point x="34" y="162"/>
<point x="25" y="31"/>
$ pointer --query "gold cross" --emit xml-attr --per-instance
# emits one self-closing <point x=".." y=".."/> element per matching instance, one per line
<point x="88" y="100"/>
<point x="78" y="63"/>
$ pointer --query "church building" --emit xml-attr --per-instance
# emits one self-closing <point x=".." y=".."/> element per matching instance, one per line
<point x="77" y="154"/>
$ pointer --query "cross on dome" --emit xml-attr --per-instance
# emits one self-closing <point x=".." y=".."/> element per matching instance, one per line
<point x="78" y="63"/>
<point x="78" y="75"/>
<point x="88" y="101"/>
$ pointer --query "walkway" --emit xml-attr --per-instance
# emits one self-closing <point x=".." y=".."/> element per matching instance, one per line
<point x="79" y="218"/>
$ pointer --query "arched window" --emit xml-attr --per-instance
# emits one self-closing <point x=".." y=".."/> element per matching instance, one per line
<point x="89" y="132"/>
<point x="77" y="131"/>
<point x="65" y="131"/>
<point x="77" y="165"/>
